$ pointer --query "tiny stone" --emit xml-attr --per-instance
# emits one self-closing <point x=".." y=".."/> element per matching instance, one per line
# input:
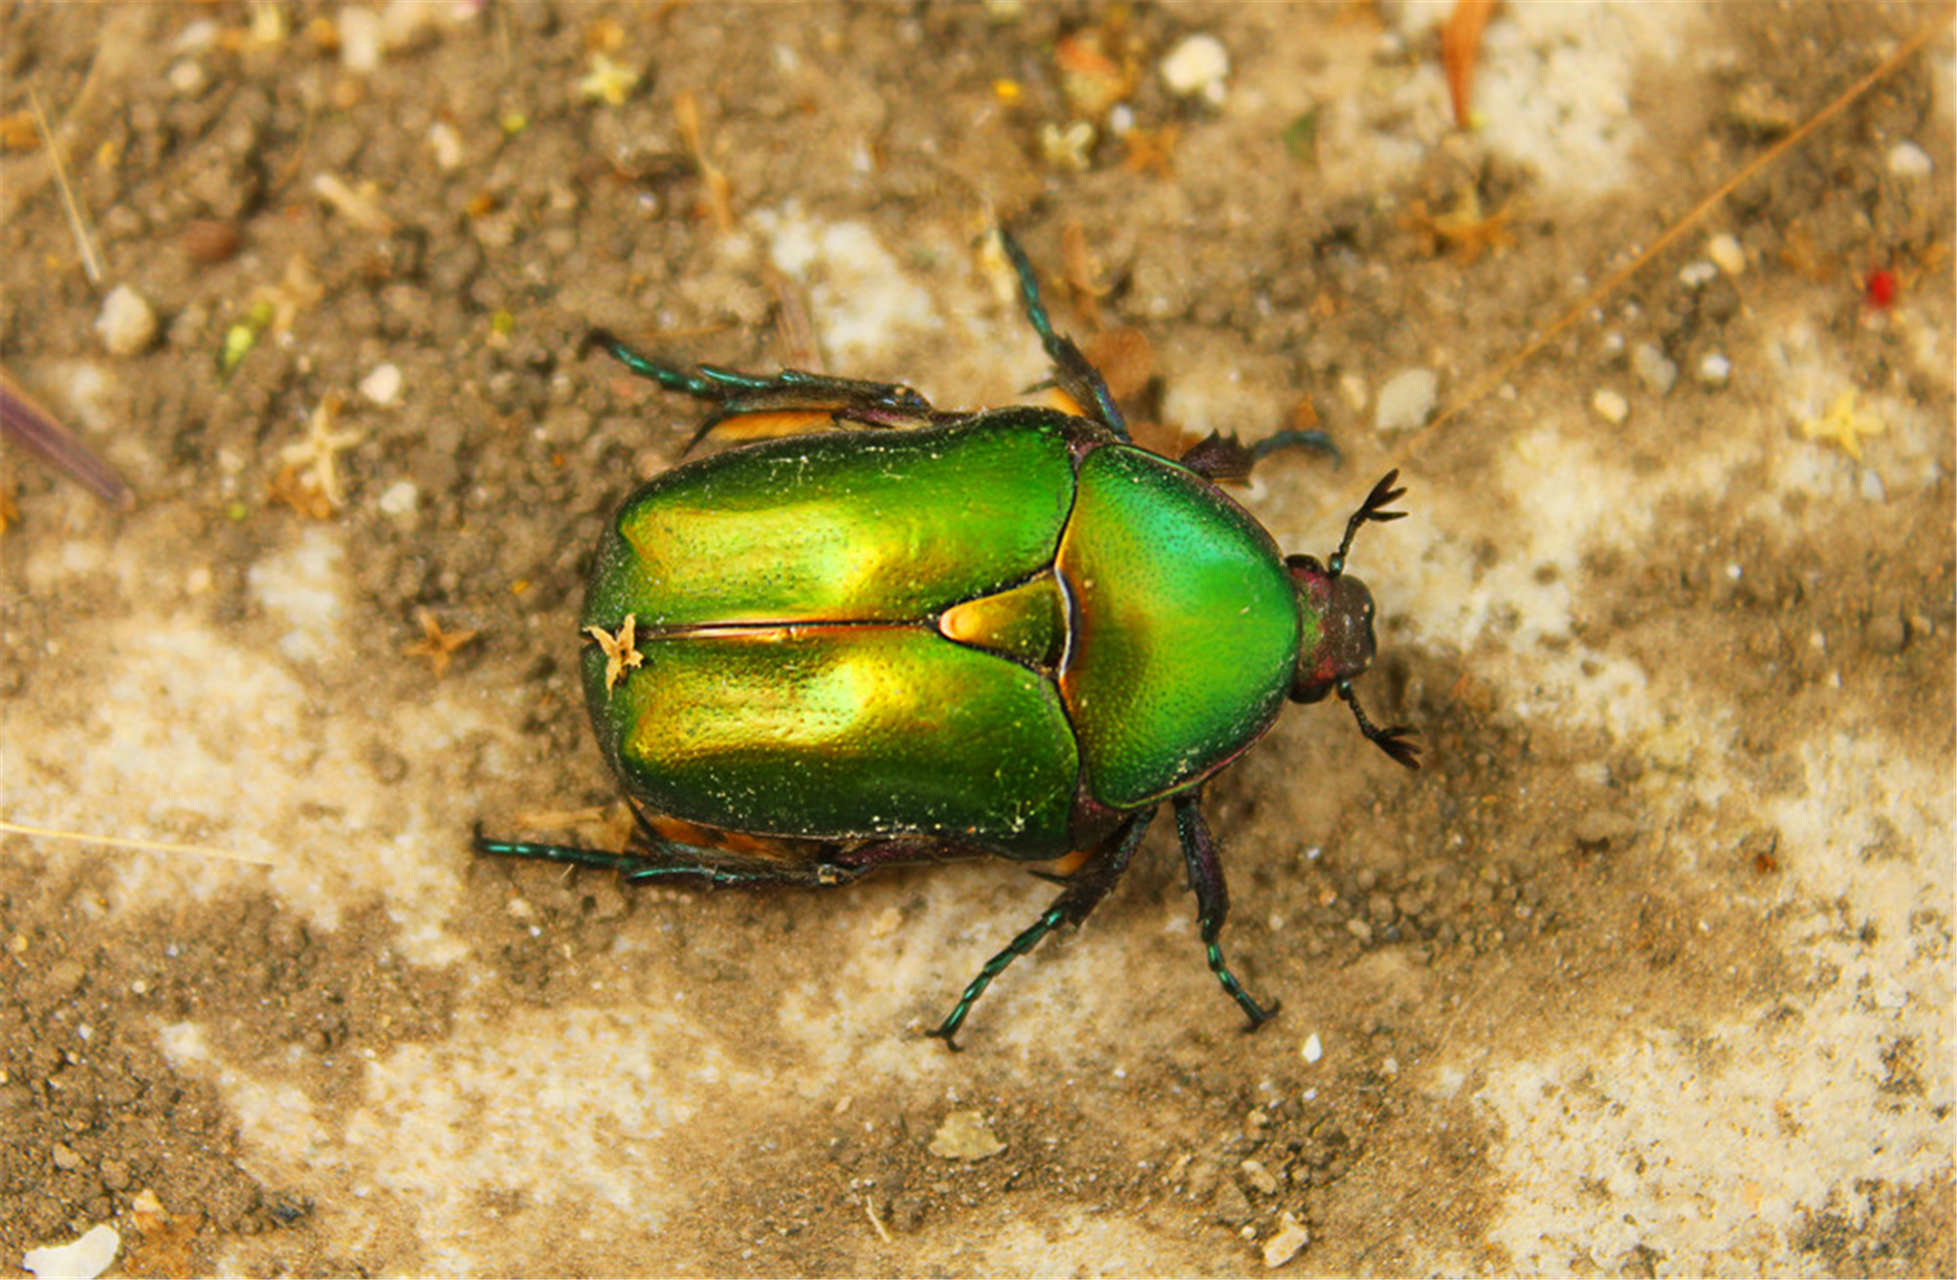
<point x="383" y="385"/>
<point x="210" y="240"/>
<point x="1726" y="253"/>
<point x="1312" y="1050"/>
<point x="1907" y="160"/>
<point x="447" y="145"/>
<point x="964" y="1136"/>
<point x="65" y="1157"/>
<point x="1263" y="1179"/>
<point x="400" y="499"/>
<point x="1287" y="1242"/>
<point x="127" y="324"/>
<point x="1694" y="274"/>
<point x="1611" y="407"/>
<point x="1872" y="490"/>
<point x="87" y="1257"/>
<point x="1406" y="401"/>
<point x="360" y="39"/>
<point x="1197" y="65"/>
<point x="1654" y="368"/>
<point x="188" y="78"/>
<point x="1715" y="369"/>
<point x="115" y="1175"/>
<point x="1359" y="929"/>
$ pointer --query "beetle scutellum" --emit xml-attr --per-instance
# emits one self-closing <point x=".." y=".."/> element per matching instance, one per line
<point x="916" y="636"/>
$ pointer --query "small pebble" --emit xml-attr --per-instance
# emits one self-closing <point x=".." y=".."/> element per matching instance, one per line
<point x="1653" y="367"/>
<point x="127" y="324"/>
<point x="1198" y="65"/>
<point x="1695" y="274"/>
<point x="1611" y="407"/>
<point x="400" y="499"/>
<point x="1405" y="402"/>
<point x="84" y="1259"/>
<point x="1872" y="489"/>
<point x="1715" y="369"/>
<point x="360" y="39"/>
<point x="447" y="145"/>
<point x="1312" y="1050"/>
<point x="383" y="385"/>
<point x="1907" y="160"/>
<point x="1287" y="1242"/>
<point x="1263" y="1179"/>
<point x="1726" y="253"/>
<point x="65" y="1157"/>
<point x="210" y="240"/>
<point x="188" y="78"/>
<point x="964" y="1136"/>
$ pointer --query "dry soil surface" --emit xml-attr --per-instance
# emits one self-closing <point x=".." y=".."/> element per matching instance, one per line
<point x="1647" y="971"/>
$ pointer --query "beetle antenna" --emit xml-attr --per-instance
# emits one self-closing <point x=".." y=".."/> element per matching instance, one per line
<point x="1395" y="741"/>
<point x="1373" y="508"/>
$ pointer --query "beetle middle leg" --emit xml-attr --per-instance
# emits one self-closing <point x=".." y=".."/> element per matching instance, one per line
<point x="1072" y="373"/>
<point x="1213" y="903"/>
<point x="798" y="401"/>
<point x="1085" y="889"/>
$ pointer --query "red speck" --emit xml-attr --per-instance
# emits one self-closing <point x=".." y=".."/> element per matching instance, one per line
<point x="1879" y="288"/>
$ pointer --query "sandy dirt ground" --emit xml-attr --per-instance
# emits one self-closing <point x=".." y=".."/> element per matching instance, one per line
<point x="1648" y="971"/>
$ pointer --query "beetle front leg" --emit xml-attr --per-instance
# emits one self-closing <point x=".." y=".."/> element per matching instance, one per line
<point x="1213" y="903"/>
<point x="1085" y="889"/>
<point x="1225" y="459"/>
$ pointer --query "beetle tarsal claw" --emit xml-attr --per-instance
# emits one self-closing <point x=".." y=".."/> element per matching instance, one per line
<point x="620" y="652"/>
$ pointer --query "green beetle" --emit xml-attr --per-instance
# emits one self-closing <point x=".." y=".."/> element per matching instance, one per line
<point x="918" y="636"/>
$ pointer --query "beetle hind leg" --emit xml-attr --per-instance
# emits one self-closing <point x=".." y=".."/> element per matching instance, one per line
<point x="753" y="406"/>
<point x="1085" y="889"/>
<point x="1213" y="904"/>
<point x="659" y="858"/>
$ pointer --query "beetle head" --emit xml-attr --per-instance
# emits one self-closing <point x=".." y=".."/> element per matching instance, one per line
<point x="1340" y="648"/>
<point x="1345" y="645"/>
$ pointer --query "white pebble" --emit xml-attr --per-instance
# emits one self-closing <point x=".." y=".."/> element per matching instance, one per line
<point x="127" y="324"/>
<point x="1907" y="160"/>
<point x="383" y="385"/>
<point x="1611" y="407"/>
<point x="1653" y="367"/>
<point x="360" y="39"/>
<point x="1694" y="274"/>
<point x="1714" y="369"/>
<point x="1287" y="1242"/>
<point x="447" y="145"/>
<point x="1197" y="65"/>
<point x="188" y="78"/>
<point x="1872" y="490"/>
<point x="84" y="1259"/>
<point x="1726" y="253"/>
<point x="1406" y="401"/>
<point x="400" y="499"/>
<point x="1312" y="1050"/>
